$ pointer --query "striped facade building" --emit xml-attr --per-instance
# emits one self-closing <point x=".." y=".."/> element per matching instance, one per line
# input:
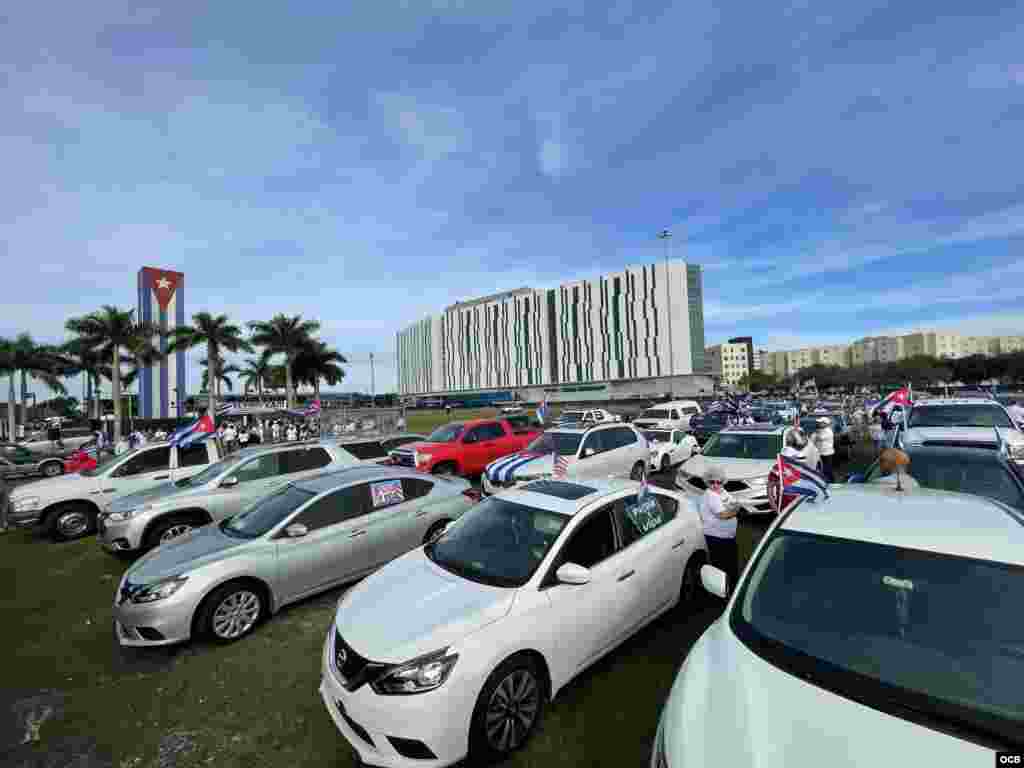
<point x="162" y="302"/>
<point x="642" y="322"/>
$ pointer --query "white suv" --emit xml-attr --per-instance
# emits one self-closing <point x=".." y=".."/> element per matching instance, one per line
<point x="601" y="451"/>
<point x="674" y="415"/>
<point x="876" y="626"/>
<point x="973" y="422"/>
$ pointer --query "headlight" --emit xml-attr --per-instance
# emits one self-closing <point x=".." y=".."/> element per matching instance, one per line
<point x="159" y="590"/>
<point x="418" y="676"/>
<point x="1016" y="450"/>
<point x="125" y="514"/>
<point x="26" y="503"/>
<point x="420" y="458"/>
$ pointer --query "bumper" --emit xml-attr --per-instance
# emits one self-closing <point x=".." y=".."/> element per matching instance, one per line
<point x="434" y="718"/>
<point x="164" y="622"/>
<point x="23" y="519"/>
<point x="125" y="536"/>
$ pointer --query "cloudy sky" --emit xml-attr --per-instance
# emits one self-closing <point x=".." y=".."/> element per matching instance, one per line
<point x="838" y="168"/>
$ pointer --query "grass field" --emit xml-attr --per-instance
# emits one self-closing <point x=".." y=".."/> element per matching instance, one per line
<point x="426" y="422"/>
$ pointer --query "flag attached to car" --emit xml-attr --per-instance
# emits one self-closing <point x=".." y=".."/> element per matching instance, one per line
<point x="900" y="396"/>
<point x="542" y="411"/>
<point x="790" y="481"/>
<point x="197" y="430"/>
<point x="561" y="465"/>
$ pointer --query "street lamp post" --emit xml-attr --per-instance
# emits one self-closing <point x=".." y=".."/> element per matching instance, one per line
<point x="666" y="236"/>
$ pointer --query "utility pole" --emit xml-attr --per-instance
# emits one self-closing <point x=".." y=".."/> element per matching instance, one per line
<point x="373" y="385"/>
<point x="666" y="236"/>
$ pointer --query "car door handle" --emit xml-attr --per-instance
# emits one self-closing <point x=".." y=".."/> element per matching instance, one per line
<point x="161" y="477"/>
<point x="421" y="513"/>
<point x="678" y="544"/>
<point x="626" y="575"/>
<point x="357" y="533"/>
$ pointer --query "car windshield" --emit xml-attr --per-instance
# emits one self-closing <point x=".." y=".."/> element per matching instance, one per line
<point x="497" y="542"/>
<point x="571" y="416"/>
<point x="978" y="472"/>
<point x="564" y="443"/>
<point x="104" y="462"/>
<point x="656" y="413"/>
<point x="930" y="636"/>
<point x="732" y="446"/>
<point x="208" y="474"/>
<point x="659" y="435"/>
<point x="449" y="433"/>
<point x="959" y="416"/>
<point x="266" y="513"/>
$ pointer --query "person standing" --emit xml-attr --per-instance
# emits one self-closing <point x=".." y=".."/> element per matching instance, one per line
<point x="825" y="442"/>
<point x="243" y="437"/>
<point x="230" y="437"/>
<point x="275" y="431"/>
<point x="292" y="434"/>
<point x="718" y="513"/>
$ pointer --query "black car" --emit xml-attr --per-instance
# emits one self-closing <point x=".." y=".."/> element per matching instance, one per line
<point x="703" y="426"/>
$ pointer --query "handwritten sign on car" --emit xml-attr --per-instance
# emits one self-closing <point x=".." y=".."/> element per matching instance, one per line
<point x="645" y="516"/>
<point x="386" y="493"/>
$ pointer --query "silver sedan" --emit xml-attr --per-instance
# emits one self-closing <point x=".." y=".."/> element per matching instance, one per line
<point x="309" y="536"/>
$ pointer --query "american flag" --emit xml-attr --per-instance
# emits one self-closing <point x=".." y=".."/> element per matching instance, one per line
<point x="644" y="490"/>
<point x="561" y="465"/>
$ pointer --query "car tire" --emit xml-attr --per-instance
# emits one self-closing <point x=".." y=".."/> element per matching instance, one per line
<point x="497" y="729"/>
<point x="231" y="612"/>
<point x="67" y="522"/>
<point x="445" y="469"/>
<point x="638" y="472"/>
<point x="52" y="469"/>
<point x="691" y="590"/>
<point x="434" y="529"/>
<point x="168" y="529"/>
<point x="665" y="464"/>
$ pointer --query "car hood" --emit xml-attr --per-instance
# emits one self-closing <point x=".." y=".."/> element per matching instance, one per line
<point x="728" y="706"/>
<point x="521" y="464"/>
<point x="200" y="547"/>
<point x="735" y="469"/>
<point x="151" y="496"/>
<point x="375" y="617"/>
<point x="60" y="487"/>
<point x="426" y="447"/>
<point x="980" y="435"/>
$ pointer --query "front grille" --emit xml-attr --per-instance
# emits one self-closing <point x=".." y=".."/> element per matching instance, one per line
<point x="403" y="459"/>
<point x="361" y="732"/>
<point x="354" y="670"/>
<point x="735" y="486"/>
<point x="698" y="482"/>
<point x="412" y="748"/>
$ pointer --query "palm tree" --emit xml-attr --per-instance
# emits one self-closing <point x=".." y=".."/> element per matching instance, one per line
<point x="318" y="361"/>
<point x="80" y="359"/>
<point x="287" y="336"/>
<point x="114" y="333"/>
<point x="222" y="377"/>
<point x="256" y="373"/>
<point x="218" y="335"/>
<point x="33" y="361"/>
<point x="7" y="368"/>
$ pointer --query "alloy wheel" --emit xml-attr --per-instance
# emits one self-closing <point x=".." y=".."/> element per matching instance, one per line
<point x="236" y="614"/>
<point x="512" y="710"/>
<point x="179" y="529"/>
<point x="72" y="524"/>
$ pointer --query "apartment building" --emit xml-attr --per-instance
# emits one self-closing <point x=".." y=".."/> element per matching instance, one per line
<point x="728" y="361"/>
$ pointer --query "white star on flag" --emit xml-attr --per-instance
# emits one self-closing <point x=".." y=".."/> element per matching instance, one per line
<point x="163" y="284"/>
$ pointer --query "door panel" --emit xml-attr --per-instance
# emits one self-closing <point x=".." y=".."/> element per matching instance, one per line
<point x="142" y="471"/>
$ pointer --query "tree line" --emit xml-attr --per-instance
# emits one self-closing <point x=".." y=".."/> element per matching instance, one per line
<point x="112" y="344"/>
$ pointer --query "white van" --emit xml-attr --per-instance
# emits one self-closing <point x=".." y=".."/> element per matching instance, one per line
<point x="674" y="415"/>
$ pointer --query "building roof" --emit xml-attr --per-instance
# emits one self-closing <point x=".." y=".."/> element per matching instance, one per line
<point x="928" y="520"/>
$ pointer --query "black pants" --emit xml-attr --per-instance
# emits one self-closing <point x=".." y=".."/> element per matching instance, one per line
<point x="826" y="467"/>
<point x="725" y="556"/>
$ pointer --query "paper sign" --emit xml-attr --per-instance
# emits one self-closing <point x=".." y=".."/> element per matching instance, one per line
<point x="645" y="516"/>
<point x="387" y="492"/>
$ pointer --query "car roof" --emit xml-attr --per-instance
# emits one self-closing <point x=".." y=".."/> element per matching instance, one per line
<point x="981" y="400"/>
<point x="672" y="404"/>
<point x="547" y="495"/>
<point x="585" y="430"/>
<point x="757" y="429"/>
<point x="922" y="519"/>
<point x="327" y="481"/>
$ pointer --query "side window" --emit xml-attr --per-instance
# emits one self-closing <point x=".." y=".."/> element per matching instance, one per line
<point x="595" y="442"/>
<point x="624" y="436"/>
<point x="675" y="415"/>
<point x="415" y="488"/>
<point x="637" y="520"/>
<point x="489" y="432"/>
<point x="345" y="504"/>
<point x="371" y="449"/>
<point x="303" y="459"/>
<point x="194" y="455"/>
<point x="678" y="436"/>
<point x="259" y="468"/>
<point x="152" y="460"/>
<point x="591" y="542"/>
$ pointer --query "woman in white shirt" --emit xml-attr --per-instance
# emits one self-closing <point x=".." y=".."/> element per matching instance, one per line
<point x="824" y="440"/>
<point x="718" y="513"/>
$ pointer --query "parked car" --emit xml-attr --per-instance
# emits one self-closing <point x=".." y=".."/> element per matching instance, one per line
<point x="68" y="506"/>
<point x="869" y="626"/>
<point x="673" y="415"/>
<point x="377" y="448"/>
<point x="963" y="421"/>
<point x="303" y="538"/>
<point x="82" y="459"/>
<point x="18" y="461"/>
<point x="669" y="447"/>
<point x="978" y="471"/>
<point x="746" y="455"/>
<point x="70" y="439"/>
<point x="147" y="519"/>
<point x="458" y="647"/>
<point x="588" y="416"/>
<point x="598" y="451"/>
<point x="465" y="447"/>
<point x="703" y="426"/>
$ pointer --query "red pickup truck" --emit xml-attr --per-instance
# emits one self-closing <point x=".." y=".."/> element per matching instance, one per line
<point x="465" y="447"/>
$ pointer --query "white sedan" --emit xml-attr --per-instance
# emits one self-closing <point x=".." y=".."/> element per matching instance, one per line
<point x="873" y="629"/>
<point x="456" y="648"/>
<point x="669" y="447"/>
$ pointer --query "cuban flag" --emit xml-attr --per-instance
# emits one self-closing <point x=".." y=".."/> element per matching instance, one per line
<point x="197" y="430"/>
<point x="791" y="481"/>
<point x="313" y="409"/>
<point x="900" y="397"/>
<point x="642" y="494"/>
<point x="91" y="452"/>
<point x="503" y="469"/>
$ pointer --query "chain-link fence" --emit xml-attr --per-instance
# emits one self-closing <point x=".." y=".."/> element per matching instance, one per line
<point x="341" y="422"/>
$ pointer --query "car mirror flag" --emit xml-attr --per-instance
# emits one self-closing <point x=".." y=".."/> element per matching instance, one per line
<point x="791" y="481"/>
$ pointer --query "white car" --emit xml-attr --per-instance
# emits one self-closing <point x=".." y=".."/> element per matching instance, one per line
<point x="601" y="451"/>
<point x="674" y="415"/>
<point x="456" y="648"/>
<point x="589" y="416"/>
<point x="669" y="447"/>
<point x="746" y="455"/>
<point x="963" y="421"/>
<point x="875" y="629"/>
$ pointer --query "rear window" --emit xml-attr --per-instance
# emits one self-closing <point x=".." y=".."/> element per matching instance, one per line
<point x="959" y="416"/>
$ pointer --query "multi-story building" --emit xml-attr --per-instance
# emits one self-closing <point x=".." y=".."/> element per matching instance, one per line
<point x="728" y="361"/>
<point x="644" y="322"/>
<point x="834" y="354"/>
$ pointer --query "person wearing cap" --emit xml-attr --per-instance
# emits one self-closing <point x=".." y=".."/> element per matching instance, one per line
<point x="718" y="514"/>
<point x="796" y="444"/>
<point x="825" y="442"/>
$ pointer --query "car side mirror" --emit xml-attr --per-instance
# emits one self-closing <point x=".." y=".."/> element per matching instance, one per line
<point x="229" y="482"/>
<point x="588" y="452"/>
<point x="296" y="531"/>
<point x="713" y="579"/>
<point x="571" y="573"/>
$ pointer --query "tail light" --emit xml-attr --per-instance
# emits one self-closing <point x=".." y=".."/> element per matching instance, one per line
<point x="472" y="494"/>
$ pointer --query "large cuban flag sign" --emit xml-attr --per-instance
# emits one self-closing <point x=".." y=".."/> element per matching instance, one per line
<point x="162" y="302"/>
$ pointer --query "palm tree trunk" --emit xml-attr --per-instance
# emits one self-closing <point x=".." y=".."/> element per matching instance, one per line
<point x="12" y="418"/>
<point x="115" y="388"/>
<point x="289" y="393"/>
<point x="24" y="399"/>
<point x="211" y="387"/>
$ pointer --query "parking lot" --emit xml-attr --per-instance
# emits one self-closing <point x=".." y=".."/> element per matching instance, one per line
<point x="71" y="695"/>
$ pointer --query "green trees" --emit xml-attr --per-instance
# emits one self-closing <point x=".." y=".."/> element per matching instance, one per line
<point x="288" y="336"/>
<point x="317" y="361"/>
<point x="219" y="336"/>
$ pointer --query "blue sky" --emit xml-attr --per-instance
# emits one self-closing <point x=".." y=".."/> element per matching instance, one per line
<point x="838" y="168"/>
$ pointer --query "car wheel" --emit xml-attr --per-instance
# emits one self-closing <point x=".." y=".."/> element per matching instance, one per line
<point x="52" y="469"/>
<point x="168" y="530"/>
<point x="433" y="530"/>
<point x="665" y="464"/>
<point x="231" y="611"/>
<point x="691" y="591"/>
<point x="508" y="709"/>
<point x="445" y="470"/>
<point x="638" y="471"/>
<point x="70" y="521"/>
